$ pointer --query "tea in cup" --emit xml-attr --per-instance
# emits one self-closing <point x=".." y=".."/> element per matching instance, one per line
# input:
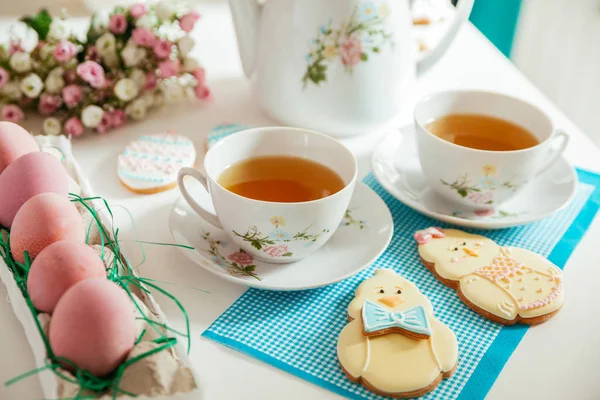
<point x="279" y="193"/>
<point x="479" y="149"/>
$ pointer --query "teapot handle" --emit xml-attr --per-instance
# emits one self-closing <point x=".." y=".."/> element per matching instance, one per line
<point x="463" y="10"/>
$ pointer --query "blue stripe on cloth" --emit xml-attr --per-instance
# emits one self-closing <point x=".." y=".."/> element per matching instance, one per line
<point x="297" y="331"/>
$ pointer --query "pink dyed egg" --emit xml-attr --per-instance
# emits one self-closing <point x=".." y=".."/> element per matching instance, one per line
<point x="44" y="219"/>
<point x="93" y="325"/>
<point x="28" y="175"/>
<point x="58" y="267"/>
<point x="14" y="143"/>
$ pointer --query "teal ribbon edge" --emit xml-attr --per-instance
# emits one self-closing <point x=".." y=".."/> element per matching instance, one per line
<point x="505" y="343"/>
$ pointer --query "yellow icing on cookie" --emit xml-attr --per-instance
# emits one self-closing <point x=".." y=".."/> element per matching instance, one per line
<point x="442" y="251"/>
<point x="394" y="362"/>
<point x="512" y="281"/>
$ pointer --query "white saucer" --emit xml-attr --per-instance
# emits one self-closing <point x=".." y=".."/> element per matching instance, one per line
<point x="364" y="234"/>
<point x="396" y="166"/>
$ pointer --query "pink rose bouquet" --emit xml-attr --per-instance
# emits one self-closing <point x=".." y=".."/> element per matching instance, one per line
<point x="134" y="60"/>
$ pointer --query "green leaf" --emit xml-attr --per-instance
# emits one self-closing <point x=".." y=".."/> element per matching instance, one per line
<point x="375" y="49"/>
<point x="256" y="245"/>
<point x="288" y="254"/>
<point x="39" y="23"/>
<point x="489" y="202"/>
<point x="462" y="192"/>
<point x="250" y="268"/>
<point x="364" y="56"/>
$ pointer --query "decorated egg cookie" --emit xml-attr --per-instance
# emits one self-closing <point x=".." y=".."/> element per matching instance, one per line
<point x="393" y="344"/>
<point x="507" y="285"/>
<point x="150" y="163"/>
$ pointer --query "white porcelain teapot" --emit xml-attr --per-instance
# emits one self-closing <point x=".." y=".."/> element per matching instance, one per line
<point x="336" y="66"/>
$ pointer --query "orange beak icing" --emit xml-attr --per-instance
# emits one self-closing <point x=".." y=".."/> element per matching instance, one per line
<point x="391" y="301"/>
<point x="471" y="252"/>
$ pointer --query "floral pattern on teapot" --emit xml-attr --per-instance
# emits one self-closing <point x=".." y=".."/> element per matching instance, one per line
<point x="351" y="42"/>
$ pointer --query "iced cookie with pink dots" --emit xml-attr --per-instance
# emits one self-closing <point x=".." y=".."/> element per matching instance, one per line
<point x="150" y="163"/>
<point x="507" y="285"/>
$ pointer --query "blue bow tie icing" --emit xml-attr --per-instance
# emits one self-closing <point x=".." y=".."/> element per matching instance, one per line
<point x="376" y="318"/>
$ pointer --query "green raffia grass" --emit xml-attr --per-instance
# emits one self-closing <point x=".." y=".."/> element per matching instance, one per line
<point x="119" y="272"/>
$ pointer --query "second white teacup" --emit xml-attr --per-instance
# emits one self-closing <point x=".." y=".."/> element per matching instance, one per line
<point x="274" y="231"/>
<point x="483" y="179"/>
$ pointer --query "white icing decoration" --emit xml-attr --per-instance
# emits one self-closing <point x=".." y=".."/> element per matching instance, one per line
<point x="524" y="288"/>
<point x="454" y="260"/>
<point x="435" y="356"/>
<point x="152" y="161"/>
<point x="368" y="360"/>
<point x="506" y="308"/>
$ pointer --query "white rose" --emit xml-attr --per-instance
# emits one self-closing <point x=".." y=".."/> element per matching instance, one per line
<point x="11" y="90"/>
<point x="91" y="116"/>
<point x="52" y="126"/>
<point x="165" y="10"/>
<point x="100" y="21"/>
<point x="138" y="76"/>
<point x="190" y="64"/>
<point x="106" y="44"/>
<point x="47" y="51"/>
<point x="58" y="71"/>
<point x="132" y="55"/>
<point x="32" y="86"/>
<point x="126" y="89"/>
<point x="20" y="62"/>
<point x="54" y="83"/>
<point x="147" y="21"/>
<point x="190" y="94"/>
<point x="111" y="60"/>
<point x="137" y="109"/>
<point x="173" y="92"/>
<point x="58" y="30"/>
<point x="185" y="45"/>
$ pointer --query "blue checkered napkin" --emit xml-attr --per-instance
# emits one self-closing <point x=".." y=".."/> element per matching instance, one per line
<point x="297" y="331"/>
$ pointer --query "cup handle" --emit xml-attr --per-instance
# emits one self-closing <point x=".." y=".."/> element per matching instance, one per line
<point x="554" y="153"/>
<point x="208" y="216"/>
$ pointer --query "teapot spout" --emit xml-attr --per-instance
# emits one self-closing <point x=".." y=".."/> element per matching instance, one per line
<point x="246" y="17"/>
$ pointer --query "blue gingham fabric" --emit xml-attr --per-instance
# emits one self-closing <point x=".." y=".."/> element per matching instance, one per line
<point x="297" y="331"/>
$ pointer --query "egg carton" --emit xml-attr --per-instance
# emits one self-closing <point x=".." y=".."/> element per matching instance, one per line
<point x="170" y="368"/>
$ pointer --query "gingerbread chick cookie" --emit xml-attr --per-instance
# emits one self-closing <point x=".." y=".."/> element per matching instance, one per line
<point x="393" y="344"/>
<point x="150" y="163"/>
<point x="507" y="285"/>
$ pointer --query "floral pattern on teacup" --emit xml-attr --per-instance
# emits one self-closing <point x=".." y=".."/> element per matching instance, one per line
<point x="271" y="243"/>
<point x="274" y="244"/>
<point x="350" y="220"/>
<point x="238" y="263"/>
<point x="488" y="213"/>
<point x="351" y="42"/>
<point x="480" y="190"/>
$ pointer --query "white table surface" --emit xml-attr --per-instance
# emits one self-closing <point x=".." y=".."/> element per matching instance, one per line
<point x="557" y="360"/>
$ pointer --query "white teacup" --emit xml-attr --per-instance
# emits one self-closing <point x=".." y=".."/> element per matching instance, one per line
<point x="272" y="231"/>
<point x="483" y="179"/>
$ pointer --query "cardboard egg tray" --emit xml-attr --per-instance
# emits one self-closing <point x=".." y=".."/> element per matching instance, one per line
<point x="167" y="375"/>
